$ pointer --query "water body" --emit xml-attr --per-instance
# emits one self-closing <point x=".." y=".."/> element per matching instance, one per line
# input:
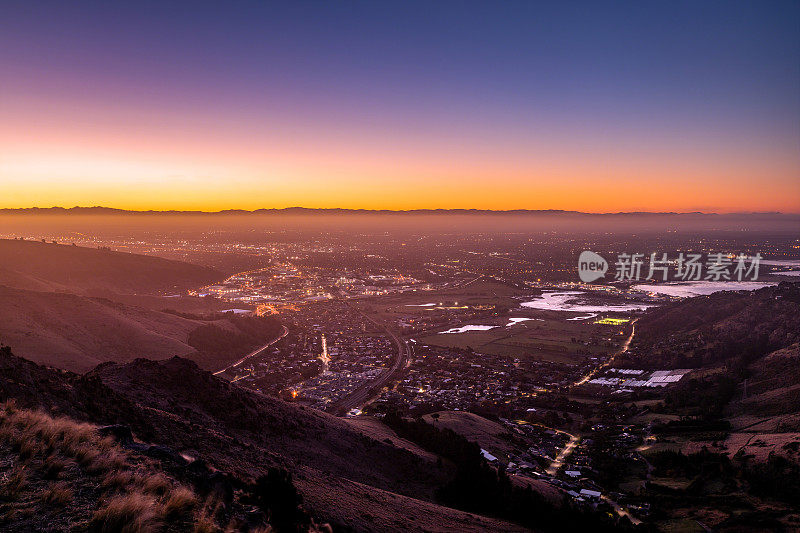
<point x="789" y="263"/>
<point x="512" y="321"/>
<point x="574" y="301"/>
<point x="464" y="329"/>
<point x="587" y="317"/>
<point x="781" y="262"/>
<point x="687" y="289"/>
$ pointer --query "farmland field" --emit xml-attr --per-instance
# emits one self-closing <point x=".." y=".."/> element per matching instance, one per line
<point x="546" y="339"/>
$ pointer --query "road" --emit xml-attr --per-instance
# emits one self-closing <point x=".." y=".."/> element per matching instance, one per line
<point x="622" y="350"/>
<point x="470" y="282"/>
<point x="254" y="352"/>
<point x="562" y="456"/>
<point x="558" y="462"/>
<point x="621" y="511"/>
<point x="368" y="391"/>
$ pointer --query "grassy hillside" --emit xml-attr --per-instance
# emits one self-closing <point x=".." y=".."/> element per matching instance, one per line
<point x="46" y="266"/>
<point x="773" y="385"/>
<point x="58" y="474"/>
<point x="77" y="333"/>
<point x="726" y="451"/>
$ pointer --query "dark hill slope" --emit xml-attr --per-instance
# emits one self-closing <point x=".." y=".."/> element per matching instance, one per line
<point x="773" y="386"/>
<point x="303" y="436"/>
<point x="353" y="481"/>
<point x="46" y="266"/>
<point x="64" y="393"/>
<point x="732" y="328"/>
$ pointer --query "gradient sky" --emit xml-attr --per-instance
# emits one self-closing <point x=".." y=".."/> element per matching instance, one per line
<point x="595" y="106"/>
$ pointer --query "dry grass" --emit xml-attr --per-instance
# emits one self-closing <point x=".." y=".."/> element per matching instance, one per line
<point x="32" y="433"/>
<point x="109" y="461"/>
<point x="13" y="483"/>
<point x="58" y="494"/>
<point x="128" y="513"/>
<point x="85" y="454"/>
<point x="156" y="484"/>
<point x="133" y="497"/>
<point x="179" y="504"/>
<point x="206" y="518"/>
<point x="27" y="450"/>
<point x="115" y="481"/>
<point x="53" y="466"/>
<point x="205" y="524"/>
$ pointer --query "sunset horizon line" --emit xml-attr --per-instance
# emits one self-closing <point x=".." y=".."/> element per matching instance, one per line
<point x="365" y="210"/>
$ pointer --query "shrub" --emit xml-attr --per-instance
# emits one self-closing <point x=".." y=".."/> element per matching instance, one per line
<point x="279" y="499"/>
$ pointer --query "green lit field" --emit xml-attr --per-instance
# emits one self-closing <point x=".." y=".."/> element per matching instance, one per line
<point x="612" y="321"/>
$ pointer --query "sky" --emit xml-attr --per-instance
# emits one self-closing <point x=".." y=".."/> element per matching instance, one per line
<point x="590" y="106"/>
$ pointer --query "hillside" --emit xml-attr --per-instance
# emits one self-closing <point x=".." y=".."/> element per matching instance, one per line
<point x="730" y="338"/>
<point x="178" y="411"/>
<point x="773" y="386"/>
<point x="77" y="333"/>
<point x="488" y="434"/>
<point x="723" y="447"/>
<point x="59" y="474"/>
<point x="46" y="266"/>
<point x="722" y="328"/>
<point x="304" y="436"/>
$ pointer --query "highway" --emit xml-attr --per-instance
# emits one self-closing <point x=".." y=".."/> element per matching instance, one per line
<point x="370" y="390"/>
<point x="254" y="352"/>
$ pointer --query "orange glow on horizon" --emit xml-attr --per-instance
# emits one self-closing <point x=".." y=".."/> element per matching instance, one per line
<point x="142" y="164"/>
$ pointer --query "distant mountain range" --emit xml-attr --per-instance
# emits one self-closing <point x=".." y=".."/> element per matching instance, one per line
<point x="99" y="210"/>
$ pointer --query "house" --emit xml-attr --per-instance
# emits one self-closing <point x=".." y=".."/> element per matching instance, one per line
<point x="590" y="494"/>
<point x="489" y="457"/>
